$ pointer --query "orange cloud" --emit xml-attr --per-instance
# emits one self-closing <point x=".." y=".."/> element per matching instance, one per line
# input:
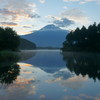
<point x="13" y="10"/>
<point x="25" y="64"/>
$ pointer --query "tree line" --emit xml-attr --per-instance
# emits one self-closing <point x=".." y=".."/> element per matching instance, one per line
<point x="84" y="39"/>
<point x="9" y="40"/>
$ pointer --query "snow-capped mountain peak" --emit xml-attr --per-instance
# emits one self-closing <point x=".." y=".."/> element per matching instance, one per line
<point x="50" y="27"/>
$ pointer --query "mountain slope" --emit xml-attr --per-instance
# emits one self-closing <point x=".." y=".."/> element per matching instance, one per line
<point x="48" y="36"/>
<point x="26" y="45"/>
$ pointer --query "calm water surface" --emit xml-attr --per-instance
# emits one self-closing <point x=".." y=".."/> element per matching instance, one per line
<point x="51" y="75"/>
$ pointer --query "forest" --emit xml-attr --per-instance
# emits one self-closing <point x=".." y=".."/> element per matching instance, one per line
<point x="9" y="40"/>
<point x="84" y="39"/>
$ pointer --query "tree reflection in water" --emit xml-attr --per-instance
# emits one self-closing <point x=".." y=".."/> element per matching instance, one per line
<point x="83" y="63"/>
<point x="9" y="69"/>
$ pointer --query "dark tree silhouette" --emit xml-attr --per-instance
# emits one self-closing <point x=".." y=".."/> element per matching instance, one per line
<point x="9" y="40"/>
<point x="9" y="69"/>
<point x="83" y="64"/>
<point x="9" y="73"/>
<point x="83" y="39"/>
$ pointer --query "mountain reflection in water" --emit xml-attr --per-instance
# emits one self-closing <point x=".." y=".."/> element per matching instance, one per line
<point x="48" y="60"/>
<point x="50" y="75"/>
<point x="79" y="63"/>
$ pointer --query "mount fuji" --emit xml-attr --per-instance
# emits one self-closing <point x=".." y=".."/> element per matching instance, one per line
<point x="49" y="36"/>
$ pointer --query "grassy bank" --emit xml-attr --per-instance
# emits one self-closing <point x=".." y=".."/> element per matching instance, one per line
<point x="8" y="56"/>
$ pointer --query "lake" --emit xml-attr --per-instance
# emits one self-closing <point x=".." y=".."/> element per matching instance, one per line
<point x="51" y="75"/>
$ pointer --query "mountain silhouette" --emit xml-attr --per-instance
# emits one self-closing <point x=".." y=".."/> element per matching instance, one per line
<point x="26" y="45"/>
<point x="50" y="27"/>
<point x="48" y="36"/>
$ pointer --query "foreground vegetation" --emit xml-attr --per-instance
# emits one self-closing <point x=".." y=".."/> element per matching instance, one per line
<point x="6" y="56"/>
<point x="9" y="40"/>
<point x="84" y="39"/>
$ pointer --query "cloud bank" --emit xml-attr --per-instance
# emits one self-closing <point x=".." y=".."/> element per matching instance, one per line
<point x="83" y="1"/>
<point x="42" y="1"/>
<point x="8" y="24"/>
<point x="13" y="10"/>
<point x="63" y="22"/>
<point x="76" y="15"/>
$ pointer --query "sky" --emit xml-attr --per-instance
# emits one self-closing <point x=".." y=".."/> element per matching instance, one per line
<point x="26" y="16"/>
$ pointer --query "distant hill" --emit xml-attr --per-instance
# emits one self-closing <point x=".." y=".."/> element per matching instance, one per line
<point x="49" y="36"/>
<point x="26" y="45"/>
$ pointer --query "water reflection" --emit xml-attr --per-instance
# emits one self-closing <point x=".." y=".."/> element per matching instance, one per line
<point x="83" y="63"/>
<point x="46" y="77"/>
<point x="26" y="54"/>
<point x="9" y="69"/>
<point x="48" y="60"/>
<point x="9" y="73"/>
